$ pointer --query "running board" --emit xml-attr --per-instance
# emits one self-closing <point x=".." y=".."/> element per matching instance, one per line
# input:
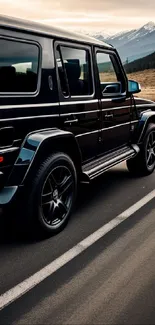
<point x="100" y="165"/>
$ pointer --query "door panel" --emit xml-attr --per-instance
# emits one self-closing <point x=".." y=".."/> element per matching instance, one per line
<point x="116" y="108"/>
<point x="115" y="123"/>
<point x="79" y="106"/>
<point x="83" y="120"/>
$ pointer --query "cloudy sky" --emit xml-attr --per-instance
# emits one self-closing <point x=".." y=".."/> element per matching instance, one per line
<point x="84" y="15"/>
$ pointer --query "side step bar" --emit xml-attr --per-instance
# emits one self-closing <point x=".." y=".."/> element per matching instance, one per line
<point x="100" y="165"/>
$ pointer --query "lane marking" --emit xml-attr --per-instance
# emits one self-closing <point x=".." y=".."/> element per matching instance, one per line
<point x="20" y="289"/>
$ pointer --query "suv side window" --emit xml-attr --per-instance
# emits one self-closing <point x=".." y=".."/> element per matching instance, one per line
<point x="18" y="66"/>
<point x="74" y="71"/>
<point x="111" y="79"/>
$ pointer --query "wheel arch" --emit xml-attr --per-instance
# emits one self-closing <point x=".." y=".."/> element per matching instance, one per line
<point x="146" y="119"/>
<point x="37" y="146"/>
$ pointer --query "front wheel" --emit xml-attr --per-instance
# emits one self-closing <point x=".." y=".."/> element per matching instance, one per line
<point x="144" y="162"/>
<point x="53" y="194"/>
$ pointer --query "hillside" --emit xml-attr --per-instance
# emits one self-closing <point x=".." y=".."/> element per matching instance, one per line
<point x="143" y="71"/>
<point x="148" y="62"/>
<point x="146" y="79"/>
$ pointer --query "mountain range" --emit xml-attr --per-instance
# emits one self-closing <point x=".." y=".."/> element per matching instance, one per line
<point x="132" y="44"/>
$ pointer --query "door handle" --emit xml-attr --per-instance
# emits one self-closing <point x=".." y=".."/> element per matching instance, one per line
<point x="71" y="121"/>
<point x="109" y="115"/>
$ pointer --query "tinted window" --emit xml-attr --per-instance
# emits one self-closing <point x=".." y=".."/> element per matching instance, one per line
<point x="74" y="71"/>
<point x="18" y="66"/>
<point x="110" y="75"/>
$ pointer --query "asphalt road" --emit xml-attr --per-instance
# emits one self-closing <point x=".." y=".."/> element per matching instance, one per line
<point x="111" y="282"/>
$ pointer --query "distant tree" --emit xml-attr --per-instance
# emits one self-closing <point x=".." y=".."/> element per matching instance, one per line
<point x="148" y="62"/>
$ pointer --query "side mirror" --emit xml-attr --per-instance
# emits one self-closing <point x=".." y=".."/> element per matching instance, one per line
<point x="133" y="87"/>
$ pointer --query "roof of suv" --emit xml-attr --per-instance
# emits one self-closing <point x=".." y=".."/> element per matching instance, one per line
<point x="39" y="28"/>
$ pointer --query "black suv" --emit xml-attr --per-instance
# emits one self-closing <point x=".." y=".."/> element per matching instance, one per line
<point x="67" y="114"/>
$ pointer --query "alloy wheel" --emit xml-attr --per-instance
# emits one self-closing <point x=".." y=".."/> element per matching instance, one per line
<point x="57" y="196"/>
<point x="150" y="150"/>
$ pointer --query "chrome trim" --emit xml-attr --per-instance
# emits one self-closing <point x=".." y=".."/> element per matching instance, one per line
<point x="106" y="100"/>
<point x="29" y="105"/>
<point x="115" y="108"/>
<point x="28" y="117"/>
<point x="83" y="96"/>
<point x="65" y="103"/>
<point x="7" y="150"/>
<point x="92" y="132"/>
<point x="145" y="105"/>
<point x="104" y="129"/>
<point x="78" y="113"/>
<point x="113" y="98"/>
<point x="116" y="126"/>
<point x="71" y="121"/>
<point x="17" y="140"/>
<point x="135" y="121"/>
<point x="91" y="101"/>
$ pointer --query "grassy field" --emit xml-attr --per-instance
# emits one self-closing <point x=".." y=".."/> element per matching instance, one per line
<point x="146" y="78"/>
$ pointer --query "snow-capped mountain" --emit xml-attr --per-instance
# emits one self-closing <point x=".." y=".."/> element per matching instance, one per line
<point x="134" y="33"/>
<point x="134" y="44"/>
<point x="149" y="26"/>
<point x="101" y="35"/>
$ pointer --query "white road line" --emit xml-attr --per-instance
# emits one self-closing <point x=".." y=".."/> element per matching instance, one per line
<point x="20" y="289"/>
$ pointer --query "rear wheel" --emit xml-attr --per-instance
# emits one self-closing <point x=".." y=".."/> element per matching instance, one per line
<point x="144" y="162"/>
<point x="52" y="195"/>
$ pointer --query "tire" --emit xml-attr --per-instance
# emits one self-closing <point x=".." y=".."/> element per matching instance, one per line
<point x="144" y="163"/>
<point x="52" y="195"/>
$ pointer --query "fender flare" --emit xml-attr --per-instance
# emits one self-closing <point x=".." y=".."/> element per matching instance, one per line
<point x="36" y="146"/>
<point x="146" y="118"/>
